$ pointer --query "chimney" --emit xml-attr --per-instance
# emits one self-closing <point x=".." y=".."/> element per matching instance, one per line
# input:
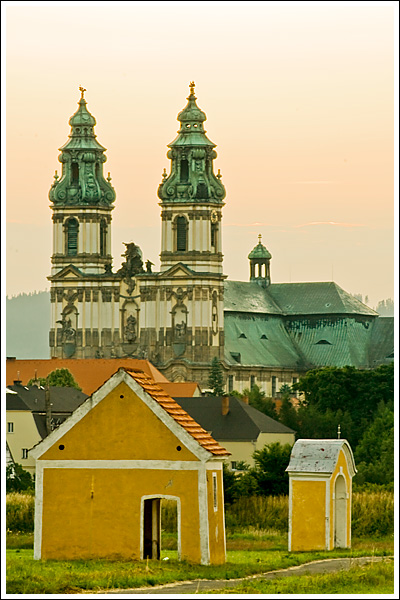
<point x="48" y="408"/>
<point x="36" y="380"/>
<point x="225" y="405"/>
<point x="245" y="399"/>
<point x="18" y="381"/>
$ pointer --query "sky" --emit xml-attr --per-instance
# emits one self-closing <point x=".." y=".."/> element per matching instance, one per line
<point x="299" y="99"/>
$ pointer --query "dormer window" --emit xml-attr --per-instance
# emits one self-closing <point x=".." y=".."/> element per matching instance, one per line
<point x="263" y="337"/>
<point x="243" y="336"/>
<point x="323" y="343"/>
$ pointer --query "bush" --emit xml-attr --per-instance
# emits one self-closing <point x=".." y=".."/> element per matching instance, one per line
<point x="372" y="513"/>
<point x="18" y="480"/>
<point x="261" y="512"/>
<point x="20" y="509"/>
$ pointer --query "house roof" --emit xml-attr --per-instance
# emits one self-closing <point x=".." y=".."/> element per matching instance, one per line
<point x="319" y="456"/>
<point x="88" y="373"/>
<point x="242" y="423"/>
<point x="63" y="399"/>
<point x="135" y="377"/>
<point x="177" y="413"/>
<point x="181" y="389"/>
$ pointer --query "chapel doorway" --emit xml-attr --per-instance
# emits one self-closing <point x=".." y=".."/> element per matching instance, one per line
<point x="340" y="512"/>
<point x="152" y="528"/>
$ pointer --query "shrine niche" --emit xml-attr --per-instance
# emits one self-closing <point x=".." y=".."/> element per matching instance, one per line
<point x="179" y="328"/>
<point x="130" y="323"/>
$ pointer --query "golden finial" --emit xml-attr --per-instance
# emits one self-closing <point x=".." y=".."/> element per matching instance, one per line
<point x="191" y="85"/>
<point x="259" y="238"/>
<point x="338" y="432"/>
<point x="82" y="90"/>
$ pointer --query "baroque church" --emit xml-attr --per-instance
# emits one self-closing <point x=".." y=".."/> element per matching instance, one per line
<point x="184" y="315"/>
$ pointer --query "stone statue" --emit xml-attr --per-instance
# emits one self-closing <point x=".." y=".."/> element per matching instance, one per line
<point x="133" y="263"/>
<point x="149" y="264"/>
<point x="130" y="329"/>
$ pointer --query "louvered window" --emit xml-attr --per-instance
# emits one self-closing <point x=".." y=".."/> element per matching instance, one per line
<point x="72" y="237"/>
<point x="181" y="234"/>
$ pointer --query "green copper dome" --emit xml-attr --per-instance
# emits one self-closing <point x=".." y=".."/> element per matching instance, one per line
<point x="259" y="251"/>
<point x="82" y="157"/>
<point x="192" y="177"/>
<point x="191" y="132"/>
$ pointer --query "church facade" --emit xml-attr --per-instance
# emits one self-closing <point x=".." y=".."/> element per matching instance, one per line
<point x="187" y="313"/>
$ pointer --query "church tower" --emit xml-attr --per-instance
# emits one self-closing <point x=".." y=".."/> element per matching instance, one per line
<point x="181" y="316"/>
<point x="84" y="292"/>
<point x="260" y="259"/>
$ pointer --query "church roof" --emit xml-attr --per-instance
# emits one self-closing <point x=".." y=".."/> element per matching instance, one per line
<point x="381" y="348"/>
<point x="309" y="298"/>
<point x="290" y="299"/>
<point x="248" y="296"/>
<point x="256" y="340"/>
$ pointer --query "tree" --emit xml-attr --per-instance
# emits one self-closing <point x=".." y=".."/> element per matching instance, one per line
<point x="270" y="469"/>
<point x="354" y="392"/>
<point x="287" y="414"/>
<point x="374" y="455"/>
<point x="216" y="378"/>
<point x="57" y="378"/>
<point x="260" y="401"/>
<point x="17" y="479"/>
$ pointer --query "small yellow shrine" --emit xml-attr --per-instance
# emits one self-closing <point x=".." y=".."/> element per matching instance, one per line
<point x="320" y="480"/>
<point x="102" y="474"/>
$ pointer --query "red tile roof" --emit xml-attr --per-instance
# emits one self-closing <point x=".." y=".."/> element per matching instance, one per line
<point x="89" y="373"/>
<point x="175" y="411"/>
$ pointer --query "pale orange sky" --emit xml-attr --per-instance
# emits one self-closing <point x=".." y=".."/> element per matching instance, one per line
<point x="299" y="99"/>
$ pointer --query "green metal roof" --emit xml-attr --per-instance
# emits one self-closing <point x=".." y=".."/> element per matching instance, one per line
<point x="337" y="341"/>
<point x="382" y="341"/>
<point x="259" y="251"/>
<point x="257" y="340"/>
<point x="316" y="299"/>
<point x="248" y="296"/>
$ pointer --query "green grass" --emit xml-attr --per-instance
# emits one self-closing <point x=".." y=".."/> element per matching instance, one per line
<point x="27" y="576"/>
<point x="376" y="578"/>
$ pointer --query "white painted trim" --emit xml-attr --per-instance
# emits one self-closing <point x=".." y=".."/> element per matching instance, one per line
<point x="37" y="545"/>
<point x="203" y="517"/>
<point x="327" y="514"/>
<point x="290" y="516"/>
<point x="122" y="376"/>
<point x="310" y="477"/>
<point x="340" y="474"/>
<point x="179" y="519"/>
<point x="121" y="464"/>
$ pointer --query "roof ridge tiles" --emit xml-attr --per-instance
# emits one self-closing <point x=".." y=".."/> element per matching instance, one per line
<point x="176" y="412"/>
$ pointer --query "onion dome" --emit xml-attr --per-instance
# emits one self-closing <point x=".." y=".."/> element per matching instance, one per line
<point x="259" y="251"/>
<point x="82" y="181"/>
<point x="191" y="118"/>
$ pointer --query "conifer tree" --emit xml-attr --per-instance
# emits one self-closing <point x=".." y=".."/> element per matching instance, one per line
<point x="216" y="378"/>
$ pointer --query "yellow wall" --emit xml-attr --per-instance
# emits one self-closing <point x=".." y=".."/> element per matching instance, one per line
<point x="216" y="518"/>
<point x="341" y="464"/>
<point x="119" y="428"/>
<point x="308" y="515"/>
<point x="25" y="435"/>
<point x="96" y="512"/>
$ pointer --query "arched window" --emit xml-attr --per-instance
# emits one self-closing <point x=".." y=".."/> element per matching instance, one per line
<point x="181" y="234"/>
<point x="72" y="237"/>
<point x="103" y="238"/>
